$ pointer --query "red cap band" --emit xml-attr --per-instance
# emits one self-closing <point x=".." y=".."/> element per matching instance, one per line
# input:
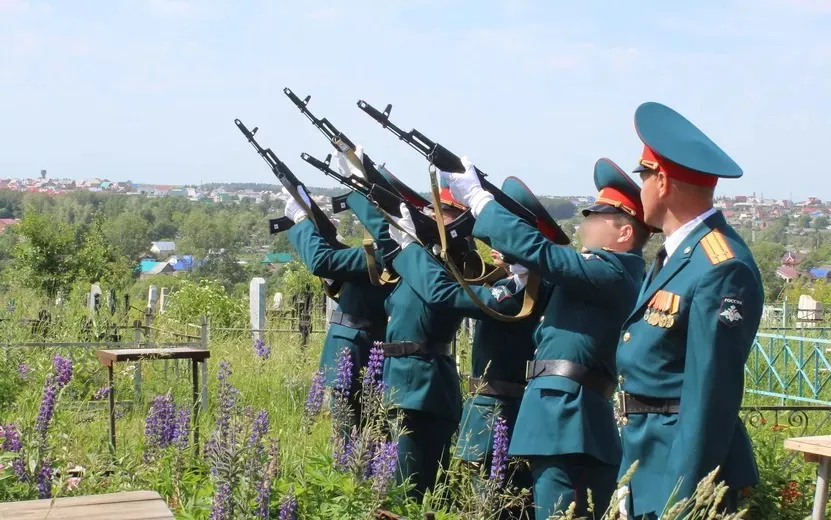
<point x="447" y="198"/>
<point x="675" y="171"/>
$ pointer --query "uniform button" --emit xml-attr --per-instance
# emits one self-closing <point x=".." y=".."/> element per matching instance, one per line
<point x="620" y="379"/>
<point x="389" y="318"/>
<point x="542" y="318"/>
<point x="626" y="336"/>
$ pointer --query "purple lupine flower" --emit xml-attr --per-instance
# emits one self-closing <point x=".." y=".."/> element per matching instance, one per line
<point x="181" y="427"/>
<point x="47" y="407"/>
<point x="44" y="479"/>
<point x="19" y="467"/>
<point x="160" y="423"/>
<point x="23" y="370"/>
<point x="375" y="366"/>
<point x="11" y="438"/>
<point x="344" y="448"/>
<point x="262" y="350"/>
<point x="314" y="400"/>
<point x="383" y="466"/>
<point x="288" y="508"/>
<point x="499" y="462"/>
<point x="343" y="380"/>
<point x="258" y="428"/>
<point x="63" y="370"/>
<point x="270" y="472"/>
<point x="221" y="506"/>
<point x="227" y="399"/>
<point x="102" y="393"/>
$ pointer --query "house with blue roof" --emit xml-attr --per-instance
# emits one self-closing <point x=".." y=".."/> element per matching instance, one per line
<point x="820" y="273"/>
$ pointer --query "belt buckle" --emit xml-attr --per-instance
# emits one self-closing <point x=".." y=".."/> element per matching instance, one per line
<point x="621" y="397"/>
<point x="529" y="370"/>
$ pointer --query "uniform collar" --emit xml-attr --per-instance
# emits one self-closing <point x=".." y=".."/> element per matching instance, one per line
<point x="674" y="240"/>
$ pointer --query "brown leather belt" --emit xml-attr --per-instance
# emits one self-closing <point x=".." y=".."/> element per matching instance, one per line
<point x="637" y="404"/>
<point x="347" y="320"/>
<point x="590" y="378"/>
<point x="410" y="348"/>
<point x="495" y="388"/>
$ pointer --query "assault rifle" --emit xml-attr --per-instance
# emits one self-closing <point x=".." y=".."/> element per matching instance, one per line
<point x="384" y="189"/>
<point x="292" y="185"/>
<point x="444" y="159"/>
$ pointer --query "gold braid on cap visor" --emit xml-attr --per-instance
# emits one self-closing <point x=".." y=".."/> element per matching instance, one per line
<point x="617" y="204"/>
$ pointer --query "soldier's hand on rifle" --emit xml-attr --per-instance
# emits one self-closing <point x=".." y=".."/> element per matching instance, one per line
<point x="466" y="187"/>
<point x="405" y="235"/>
<point x="347" y="167"/>
<point x="293" y="209"/>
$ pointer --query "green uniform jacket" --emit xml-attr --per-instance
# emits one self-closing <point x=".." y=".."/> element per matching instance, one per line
<point x="358" y="297"/>
<point x="424" y="383"/>
<point x="699" y="359"/>
<point x="593" y="293"/>
<point x="500" y="348"/>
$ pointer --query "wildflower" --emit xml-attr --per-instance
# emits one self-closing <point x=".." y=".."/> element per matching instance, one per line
<point x="790" y="493"/>
<point x="270" y="472"/>
<point x="102" y="393"/>
<point x="19" y="467"/>
<point x="72" y="483"/>
<point x="383" y="466"/>
<point x="262" y="350"/>
<point x="288" y="508"/>
<point x="11" y="438"/>
<point x="314" y="400"/>
<point x="181" y="427"/>
<point x="23" y="370"/>
<point x="499" y="462"/>
<point x="778" y="427"/>
<point x="63" y="370"/>
<point x="259" y="428"/>
<point x="47" y="407"/>
<point x="221" y="506"/>
<point x="343" y="379"/>
<point x="375" y="366"/>
<point x="344" y="448"/>
<point x="44" y="479"/>
<point x="159" y="425"/>
<point x="227" y="399"/>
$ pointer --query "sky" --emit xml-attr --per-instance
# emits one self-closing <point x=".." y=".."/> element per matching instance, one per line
<point x="147" y="90"/>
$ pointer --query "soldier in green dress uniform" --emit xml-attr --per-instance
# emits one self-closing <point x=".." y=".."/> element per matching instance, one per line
<point x="359" y="319"/>
<point x="566" y="425"/>
<point x="501" y="350"/>
<point x="683" y="348"/>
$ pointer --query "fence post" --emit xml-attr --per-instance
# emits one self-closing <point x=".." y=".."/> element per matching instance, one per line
<point x="785" y="313"/>
<point x="203" y="337"/>
<point x="304" y="322"/>
<point x="164" y="294"/>
<point x="137" y="372"/>
<point x="256" y="305"/>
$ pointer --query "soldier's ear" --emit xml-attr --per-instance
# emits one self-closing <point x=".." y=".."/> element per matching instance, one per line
<point x="663" y="184"/>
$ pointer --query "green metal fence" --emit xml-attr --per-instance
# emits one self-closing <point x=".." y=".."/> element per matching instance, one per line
<point x="790" y="367"/>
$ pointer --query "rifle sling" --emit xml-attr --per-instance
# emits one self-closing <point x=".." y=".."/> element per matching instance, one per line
<point x="372" y="267"/>
<point x="531" y="286"/>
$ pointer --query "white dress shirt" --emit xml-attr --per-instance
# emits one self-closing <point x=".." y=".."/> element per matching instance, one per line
<point x="674" y="240"/>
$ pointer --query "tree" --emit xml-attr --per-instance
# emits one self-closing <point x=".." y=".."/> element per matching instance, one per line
<point x="129" y="234"/>
<point x="43" y="259"/>
<point x="203" y="232"/>
<point x="99" y="261"/>
<point x="221" y="268"/>
<point x="821" y="222"/>
<point x="803" y="221"/>
<point x="768" y="256"/>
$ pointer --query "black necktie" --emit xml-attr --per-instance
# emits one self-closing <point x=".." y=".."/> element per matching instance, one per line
<point x="659" y="263"/>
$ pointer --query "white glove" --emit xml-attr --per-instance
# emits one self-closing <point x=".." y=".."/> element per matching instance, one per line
<point x="520" y="275"/>
<point x="293" y="209"/>
<point x="345" y="167"/>
<point x="405" y="237"/>
<point x="466" y="187"/>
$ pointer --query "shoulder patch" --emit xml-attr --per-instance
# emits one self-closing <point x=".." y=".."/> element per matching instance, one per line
<point x="501" y="293"/>
<point x="716" y="248"/>
<point x="730" y="312"/>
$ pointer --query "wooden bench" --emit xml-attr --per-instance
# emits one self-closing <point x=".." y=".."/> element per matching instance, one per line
<point x="130" y="505"/>
<point x="816" y="449"/>
<point x="109" y="358"/>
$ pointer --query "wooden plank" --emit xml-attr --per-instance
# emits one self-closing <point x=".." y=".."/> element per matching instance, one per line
<point x="131" y="505"/>
<point x="107" y="357"/>
<point x="819" y="445"/>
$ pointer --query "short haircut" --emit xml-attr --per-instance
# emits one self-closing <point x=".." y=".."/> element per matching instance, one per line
<point x="640" y="231"/>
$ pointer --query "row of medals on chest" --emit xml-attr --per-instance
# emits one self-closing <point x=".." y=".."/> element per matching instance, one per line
<point x="662" y="309"/>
